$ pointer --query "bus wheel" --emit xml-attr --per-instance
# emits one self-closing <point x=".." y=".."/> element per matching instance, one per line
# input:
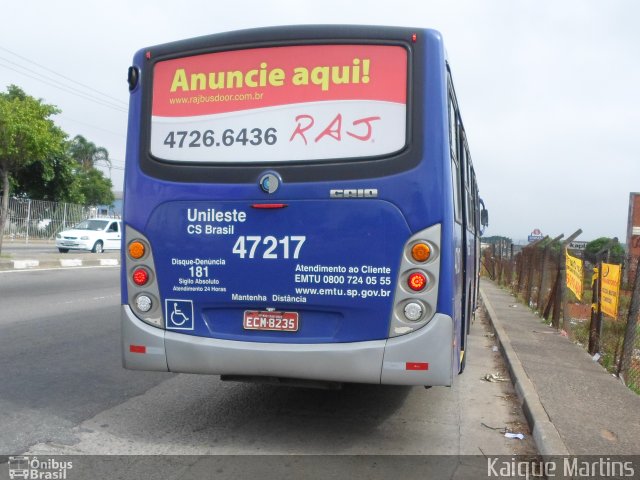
<point x="63" y="250"/>
<point x="98" y="247"/>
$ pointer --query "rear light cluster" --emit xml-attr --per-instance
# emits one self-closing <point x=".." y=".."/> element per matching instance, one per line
<point x="417" y="289"/>
<point x="143" y="294"/>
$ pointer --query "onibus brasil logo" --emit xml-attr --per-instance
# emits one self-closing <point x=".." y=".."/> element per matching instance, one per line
<point x="33" y="468"/>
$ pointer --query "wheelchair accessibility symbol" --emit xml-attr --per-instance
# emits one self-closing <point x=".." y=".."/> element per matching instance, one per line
<point x="179" y="314"/>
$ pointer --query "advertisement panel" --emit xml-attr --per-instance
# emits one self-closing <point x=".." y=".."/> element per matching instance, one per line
<point x="575" y="274"/>
<point x="280" y="104"/>
<point x="610" y="289"/>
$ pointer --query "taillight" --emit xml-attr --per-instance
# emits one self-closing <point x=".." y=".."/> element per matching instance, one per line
<point x="417" y="281"/>
<point x="140" y="276"/>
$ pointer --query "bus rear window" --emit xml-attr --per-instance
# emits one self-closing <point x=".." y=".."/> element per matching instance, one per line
<point x="280" y="104"/>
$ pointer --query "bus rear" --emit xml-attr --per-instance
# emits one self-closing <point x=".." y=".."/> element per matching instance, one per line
<point x="288" y="208"/>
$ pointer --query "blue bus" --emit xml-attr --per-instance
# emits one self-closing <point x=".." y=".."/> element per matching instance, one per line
<point x="300" y="206"/>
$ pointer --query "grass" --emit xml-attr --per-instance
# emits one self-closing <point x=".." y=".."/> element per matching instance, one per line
<point x="610" y="345"/>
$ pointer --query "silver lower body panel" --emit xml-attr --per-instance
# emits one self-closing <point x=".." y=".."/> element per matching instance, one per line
<point x="423" y="357"/>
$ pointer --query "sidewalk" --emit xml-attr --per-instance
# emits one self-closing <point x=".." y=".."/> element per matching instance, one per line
<point x="573" y="405"/>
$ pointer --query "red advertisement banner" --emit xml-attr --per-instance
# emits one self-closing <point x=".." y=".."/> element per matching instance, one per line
<point x="239" y="80"/>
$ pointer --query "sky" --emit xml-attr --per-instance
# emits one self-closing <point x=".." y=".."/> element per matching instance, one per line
<point x="549" y="90"/>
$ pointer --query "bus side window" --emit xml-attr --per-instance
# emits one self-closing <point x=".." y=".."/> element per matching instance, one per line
<point x="468" y="188"/>
<point x="455" y="160"/>
<point x="476" y="204"/>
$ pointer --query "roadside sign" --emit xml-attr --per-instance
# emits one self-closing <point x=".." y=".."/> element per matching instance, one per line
<point x="536" y="234"/>
<point x="610" y="289"/>
<point x="575" y="274"/>
<point x="577" y="245"/>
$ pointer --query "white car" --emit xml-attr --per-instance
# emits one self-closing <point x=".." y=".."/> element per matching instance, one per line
<point x="94" y="234"/>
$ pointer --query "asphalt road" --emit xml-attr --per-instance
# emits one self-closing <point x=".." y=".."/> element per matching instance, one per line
<point x="63" y="391"/>
<point x="60" y="354"/>
<point x="34" y="247"/>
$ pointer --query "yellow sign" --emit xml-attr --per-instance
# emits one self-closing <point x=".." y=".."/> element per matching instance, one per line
<point x="575" y="273"/>
<point x="610" y="289"/>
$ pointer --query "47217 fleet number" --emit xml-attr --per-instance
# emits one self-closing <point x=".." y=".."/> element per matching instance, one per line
<point x="269" y="247"/>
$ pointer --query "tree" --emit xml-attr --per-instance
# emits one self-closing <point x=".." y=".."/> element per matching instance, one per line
<point x="63" y="178"/>
<point x="52" y="179"/>
<point x="27" y="135"/>
<point x="497" y="239"/>
<point x="95" y="187"/>
<point x="616" y="254"/>
<point x="87" y="153"/>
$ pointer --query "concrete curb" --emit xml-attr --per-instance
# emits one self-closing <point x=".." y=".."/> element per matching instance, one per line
<point x="28" y="264"/>
<point x="545" y="434"/>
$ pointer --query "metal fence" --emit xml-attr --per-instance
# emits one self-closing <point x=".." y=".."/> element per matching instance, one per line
<point x="535" y="276"/>
<point x="39" y="219"/>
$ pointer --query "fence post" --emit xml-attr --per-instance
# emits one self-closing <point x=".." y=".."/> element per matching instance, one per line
<point x="526" y="273"/>
<point x="493" y="261"/>
<point x="552" y="297"/>
<point x="28" y="219"/>
<point x="524" y="270"/>
<point x="519" y="271"/>
<point x="595" y="329"/>
<point x="595" y="303"/>
<point x="542" y="286"/>
<point x="509" y="266"/>
<point x="497" y="258"/>
<point x="630" y="333"/>
<point x="533" y="257"/>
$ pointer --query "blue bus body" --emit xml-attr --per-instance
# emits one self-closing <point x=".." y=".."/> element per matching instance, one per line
<point x="327" y="242"/>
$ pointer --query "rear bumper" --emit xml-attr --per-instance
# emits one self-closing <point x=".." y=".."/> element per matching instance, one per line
<point x="424" y="357"/>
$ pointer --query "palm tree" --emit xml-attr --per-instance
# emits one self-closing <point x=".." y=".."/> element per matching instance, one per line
<point x="87" y="153"/>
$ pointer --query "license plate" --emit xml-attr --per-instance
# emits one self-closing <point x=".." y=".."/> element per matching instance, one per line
<point x="271" y="321"/>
